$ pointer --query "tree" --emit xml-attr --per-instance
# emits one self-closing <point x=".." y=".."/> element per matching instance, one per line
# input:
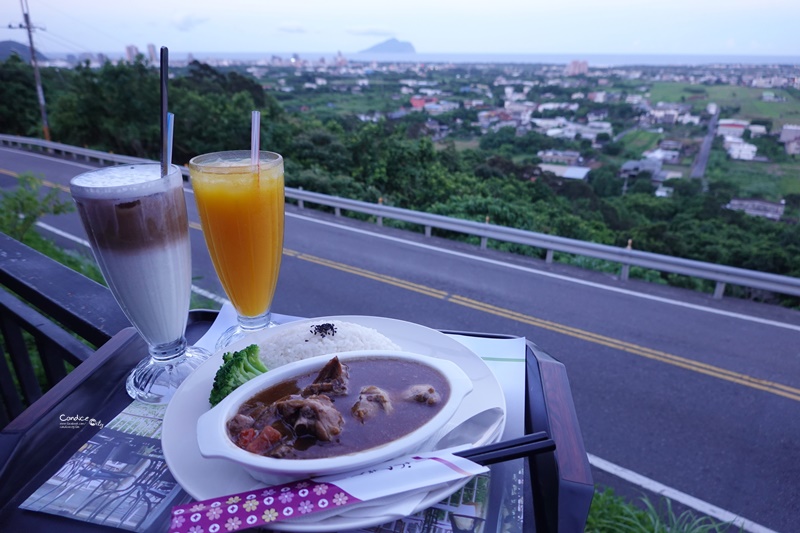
<point x="603" y="137"/>
<point x="24" y="205"/>
<point x="494" y="140"/>
<point x="320" y="148"/>
<point x="605" y="181"/>
<point x="613" y="148"/>
<point x="114" y="108"/>
<point x="210" y="123"/>
<point x="19" y="112"/>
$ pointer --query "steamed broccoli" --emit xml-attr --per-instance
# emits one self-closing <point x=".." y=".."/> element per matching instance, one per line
<point x="237" y="368"/>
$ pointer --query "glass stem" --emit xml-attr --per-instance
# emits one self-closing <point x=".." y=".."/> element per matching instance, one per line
<point x="254" y="323"/>
<point x="164" y="353"/>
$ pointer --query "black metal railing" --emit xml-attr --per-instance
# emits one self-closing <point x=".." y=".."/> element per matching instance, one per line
<point x="51" y="319"/>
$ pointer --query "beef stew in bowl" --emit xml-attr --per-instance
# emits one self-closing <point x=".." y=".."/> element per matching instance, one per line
<point x="334" y="413"/>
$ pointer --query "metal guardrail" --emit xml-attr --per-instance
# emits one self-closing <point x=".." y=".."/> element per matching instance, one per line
<point x="720" y="274"/>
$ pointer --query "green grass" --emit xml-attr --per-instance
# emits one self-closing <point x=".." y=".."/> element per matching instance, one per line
<point x="612" y="514"/>
<point x="472" y="144"/>
<point x="777" y="180"/>
<point x="337" y="103"/>
<point x="639" y="141"/>
<point x="747" y="99"/>
<point x="771" y="181"/>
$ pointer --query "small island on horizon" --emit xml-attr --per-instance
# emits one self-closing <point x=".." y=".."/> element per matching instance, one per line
<point x="391" y="46"/>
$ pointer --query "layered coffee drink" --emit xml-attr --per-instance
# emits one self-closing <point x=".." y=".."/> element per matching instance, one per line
<point x="137" y="224"/>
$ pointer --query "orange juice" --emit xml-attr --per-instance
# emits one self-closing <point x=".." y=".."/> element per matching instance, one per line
<point x="242" y="213"/>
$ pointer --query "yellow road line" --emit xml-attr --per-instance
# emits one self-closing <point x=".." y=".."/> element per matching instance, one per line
<point x="772" y="387"/>
<point x="434" y="293"/>
<point x="55" y="185"/>
<point x="688" y="364"/>
<point x="47" y="183"/>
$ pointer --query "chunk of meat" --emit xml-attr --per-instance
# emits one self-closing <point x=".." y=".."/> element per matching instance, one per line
<point x="239" y="423"/>
<point x="423" y="394"/>
<point x="331" y="380"/>
<point x="314" y="415"/>
<point x="252" y="410"/>
<point x="265" y="417"/>
<point x="371" y="401"/>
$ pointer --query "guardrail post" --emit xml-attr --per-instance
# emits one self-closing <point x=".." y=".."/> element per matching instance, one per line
<point x="300" y="203"/>
<point x="427" y="231"/>
<point x="483" y="242"/>
<point x="626" y="269"/>
<point x="548" y="258"/>
<point x="719" y="290"/>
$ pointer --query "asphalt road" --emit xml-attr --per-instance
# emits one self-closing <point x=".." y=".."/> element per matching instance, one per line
<point x="693" y="395"/>
<point x="701" y="161"/>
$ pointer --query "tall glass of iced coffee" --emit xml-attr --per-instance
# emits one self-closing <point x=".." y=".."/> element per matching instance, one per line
<point x="138" y="228"/>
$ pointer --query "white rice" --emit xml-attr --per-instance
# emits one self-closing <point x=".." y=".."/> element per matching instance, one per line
<point x="301" y="341"/>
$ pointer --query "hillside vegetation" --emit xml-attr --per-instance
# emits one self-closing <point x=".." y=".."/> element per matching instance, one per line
<point x="115" y="108"/>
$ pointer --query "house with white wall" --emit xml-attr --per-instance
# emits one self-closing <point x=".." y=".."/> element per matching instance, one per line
<point x="737" y="148"/>
<point x="729" y="127"/>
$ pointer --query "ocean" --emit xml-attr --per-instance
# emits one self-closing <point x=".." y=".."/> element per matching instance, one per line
<point x="594" y="60"/>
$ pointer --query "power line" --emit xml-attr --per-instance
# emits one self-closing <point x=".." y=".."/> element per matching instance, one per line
<point x="58" y="40"/>
<point x="61" y="14"/>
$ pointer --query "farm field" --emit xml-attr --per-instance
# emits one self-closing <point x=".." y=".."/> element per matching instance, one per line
<point x="771" y="181"/>
<point x="639" y="141"/>
<point x="747" y="99"/>
<point x="339" y="103"/>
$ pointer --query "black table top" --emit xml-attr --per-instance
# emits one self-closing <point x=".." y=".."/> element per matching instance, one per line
<point x="33" y="447"/>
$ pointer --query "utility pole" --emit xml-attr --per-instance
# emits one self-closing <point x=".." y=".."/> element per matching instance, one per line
<point x="39" y="92"/>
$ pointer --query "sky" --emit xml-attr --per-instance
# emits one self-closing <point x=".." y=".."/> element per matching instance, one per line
<point x="714" y="27"/>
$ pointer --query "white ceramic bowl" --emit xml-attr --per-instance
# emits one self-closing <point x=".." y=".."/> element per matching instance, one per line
<point x="213" y="439"/>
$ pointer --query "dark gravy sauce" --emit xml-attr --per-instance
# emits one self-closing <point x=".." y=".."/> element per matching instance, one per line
<point x="390" y="420"/>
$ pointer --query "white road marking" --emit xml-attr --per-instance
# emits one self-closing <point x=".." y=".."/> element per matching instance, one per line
<point x="675" y="495"/>
<point x="560" y="277"/>
<point x="64" y="234"/>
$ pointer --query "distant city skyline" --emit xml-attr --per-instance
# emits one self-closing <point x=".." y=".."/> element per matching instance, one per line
<point x="578" y="27"/>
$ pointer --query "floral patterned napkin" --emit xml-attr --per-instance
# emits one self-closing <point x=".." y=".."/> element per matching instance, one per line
<point x="299" y="499"/>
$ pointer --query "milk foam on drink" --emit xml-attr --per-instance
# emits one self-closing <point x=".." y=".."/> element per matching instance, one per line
<point x="137" y="225"/>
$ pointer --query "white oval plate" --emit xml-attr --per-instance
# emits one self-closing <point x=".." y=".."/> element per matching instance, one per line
<point x="205" y="478"/>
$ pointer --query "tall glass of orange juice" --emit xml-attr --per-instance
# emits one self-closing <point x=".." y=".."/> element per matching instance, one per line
<point x="241" y="207"/>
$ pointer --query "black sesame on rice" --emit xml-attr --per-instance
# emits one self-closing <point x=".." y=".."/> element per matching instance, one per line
<point x="323" y="330"/>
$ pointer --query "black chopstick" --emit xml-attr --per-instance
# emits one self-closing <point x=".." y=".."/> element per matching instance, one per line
<point x="539" y="442"/>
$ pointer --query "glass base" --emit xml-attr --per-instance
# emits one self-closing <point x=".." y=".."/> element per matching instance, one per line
<point x="237" y="333"/>
<point x="154" y="381"/>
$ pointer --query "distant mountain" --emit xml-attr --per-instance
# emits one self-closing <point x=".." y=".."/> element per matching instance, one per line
<point x="391" y="46"/>
<point x="12" y="47"/>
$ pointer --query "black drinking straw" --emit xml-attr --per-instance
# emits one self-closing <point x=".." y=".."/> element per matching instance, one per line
<point x="164" y="107"/>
